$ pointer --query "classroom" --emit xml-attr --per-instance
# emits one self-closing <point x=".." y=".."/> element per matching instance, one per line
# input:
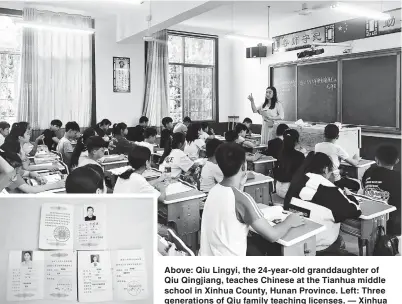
<point x="261" y="127"/>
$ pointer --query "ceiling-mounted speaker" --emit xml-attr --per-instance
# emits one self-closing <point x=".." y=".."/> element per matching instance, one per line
<point x="256" y="52"/>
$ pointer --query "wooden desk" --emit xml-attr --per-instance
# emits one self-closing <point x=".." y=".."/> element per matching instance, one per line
<point x="255" y="137"/>
<point x="114" y="164"/>
<point x="356" y="171"/>
<point x="301" y="240"/>
<point x="365" y="228"/>
<point x="259" y="148"/>
<point x="183" y="209"/>
<point x="264" y="165"/>
<point x="259" y="188"/>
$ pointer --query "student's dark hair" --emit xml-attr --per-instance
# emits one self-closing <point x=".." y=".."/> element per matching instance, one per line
<point x="143" y="119"/>
<point x="281" y="128"/>
<point x="204" y="125"/>
<point x="166" y="120"/>
<point x="11" y="142"/>
<point x="137" y="158"/>
<point x="4" y="125"/>
<point x="105" y="122"/>
<point x="231" y="136"/>
<point x="90" y="208"/>
<point x="247" y="120"/>
<point x="187" y="119"/>
<point x="331" y="131"/>
<point x="56" y="122"/>
<point x="86" y="179"/>
<point x="13" y="159"/>
<point x="118" y="127"/>
<point x="285" y="157"/>
<point x="388" y="155"/>
<point x="72" y="125"/>
<point x="81" y="146"/>
<point x="148" y="132"/>
<point x="290" y="139"/>
<point x="230" y="157"/>
<point x="175" y="142"/>
<point x="274" y="99"/>
<point x="192" y="132"/>
<point x="240" y="127"/>
<point x="211" y="146"/>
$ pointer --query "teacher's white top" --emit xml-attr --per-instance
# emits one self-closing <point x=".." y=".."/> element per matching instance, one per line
<point x="266" y="112"/>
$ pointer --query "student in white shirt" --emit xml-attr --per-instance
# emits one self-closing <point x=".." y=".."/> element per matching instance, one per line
<point x="96" y="146"/>
<point x="205" y="130"/>
<point x="132" y="180"/>
<point x="65" y="146"/>
<point x="229" y="212"/>
<point x="211" y="174"/>
<point x="149" y="139"/>
<point x="4" y="131"/>
<point x="241" y="131"/>
<point x="182" y="127"/>
<point x="194" y="144"/>
<point x="175" y="158"/>
<point x="336" y="153"/>
<point x="86" y="179"/>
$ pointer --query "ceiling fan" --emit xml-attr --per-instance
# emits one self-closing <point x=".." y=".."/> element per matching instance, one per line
<point x="148" y="37"/>
<point x="307" y="10"/>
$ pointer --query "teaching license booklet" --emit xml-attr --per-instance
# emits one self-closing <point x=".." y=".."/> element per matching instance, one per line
<point x="80" y="227"/>
<point x="111" y="275"/>
<point x="39" y="275"/>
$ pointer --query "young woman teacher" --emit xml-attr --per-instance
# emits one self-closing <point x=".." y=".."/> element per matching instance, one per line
<point x="270" y="111"/>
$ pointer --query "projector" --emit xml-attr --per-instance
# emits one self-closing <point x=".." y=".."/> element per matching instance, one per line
<point x="310" y="53"/>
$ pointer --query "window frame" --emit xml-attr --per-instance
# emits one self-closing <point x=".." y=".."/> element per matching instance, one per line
<point x="215" y="67"/>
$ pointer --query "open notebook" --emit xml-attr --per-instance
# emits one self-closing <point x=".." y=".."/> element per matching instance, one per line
<point x="274" y="214"/>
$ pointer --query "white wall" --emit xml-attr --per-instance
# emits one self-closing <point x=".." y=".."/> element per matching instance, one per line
<point x="251" y="75"/>
<point x="117" y="107"/>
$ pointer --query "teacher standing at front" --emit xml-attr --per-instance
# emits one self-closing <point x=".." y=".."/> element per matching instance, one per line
<point x="270" y="111"/>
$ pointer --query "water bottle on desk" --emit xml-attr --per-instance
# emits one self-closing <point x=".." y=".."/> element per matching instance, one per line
<point x="168" y="173"/>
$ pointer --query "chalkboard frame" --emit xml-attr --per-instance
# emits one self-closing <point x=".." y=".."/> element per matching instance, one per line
<point x="339" y="59"/>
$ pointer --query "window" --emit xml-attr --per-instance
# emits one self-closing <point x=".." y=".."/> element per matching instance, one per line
<point x="10" y="59"/>
<point x="192" y="76"/>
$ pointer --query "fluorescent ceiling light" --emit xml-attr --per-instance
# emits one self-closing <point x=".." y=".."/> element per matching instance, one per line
<point x="249" y="38"/>
<point x="52" y="27"/>
<point x="360" y="11"/>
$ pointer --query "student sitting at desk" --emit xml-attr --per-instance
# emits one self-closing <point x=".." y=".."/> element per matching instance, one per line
<point x="18" y="137"/>
<point x="95" y="147"/>
<point x="289" y="161"/>
<point x="122" y="145"/>
<point x="86" y="179"/>
<point x="241" y="131"/>
<point x="136" y="134"/>
<point x="211" y="174"/>
<point x="175" y="158"/>
<point x="27" y="148"/>
<point x="102" y="128"/>
<point x="182" y="127"/>
<point x="166" y="134"/>
<point x="19" y="185"/>
<point x="248" y="122"/>
<point x="81" y="146"/>
<point x="275" y="145"/>
<point x="229" y="212"/>
<point x="132" y="181"/>
<point x="337" y="153"/>
<point x="206" y="132"/>
<point x="4" y="131"/>
<point x="231" y="136"/>
<point x="149" y="139"/>
<point x="50" y="137"/>
<point x="65" y="146"/>
<point x="322" y="201"/>
<point x="381" y="182"/>
<point x="193" y="143"/>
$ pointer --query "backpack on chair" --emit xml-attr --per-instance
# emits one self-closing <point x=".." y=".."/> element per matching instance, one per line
<point x="386" y="245"/>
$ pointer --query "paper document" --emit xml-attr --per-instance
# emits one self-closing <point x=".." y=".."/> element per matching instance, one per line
<point x="177" y="188"/>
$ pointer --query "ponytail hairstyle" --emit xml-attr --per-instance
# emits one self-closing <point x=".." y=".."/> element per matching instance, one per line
<point x="118" y="128"/>
<point x="174" y="142"/>
<point x="81" y="146"/>
<point x="137" y="158"/>
<point x="290" y="140"/>
<point x="12" y="142"/>
<point x="274" y="99"/>
<point x="285" y="164"/>
<point x="86" y="179"/>
<point x="192" y="132"/>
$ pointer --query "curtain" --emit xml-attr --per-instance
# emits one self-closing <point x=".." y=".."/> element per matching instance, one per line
<point x="156" y="95"/>
<point x="56" y="70"/>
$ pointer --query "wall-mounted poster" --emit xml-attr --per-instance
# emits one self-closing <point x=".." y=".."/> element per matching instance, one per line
<point x="121" y="75"/>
